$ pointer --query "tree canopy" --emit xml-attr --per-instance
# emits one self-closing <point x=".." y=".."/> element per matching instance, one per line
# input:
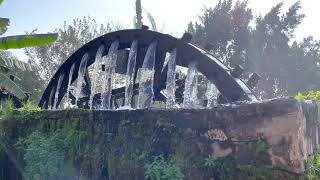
<point x="263" y="44"/>
<point x="71" y="37"/>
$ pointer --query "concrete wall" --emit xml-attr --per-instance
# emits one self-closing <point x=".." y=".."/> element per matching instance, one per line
<point x="279" y="133"/>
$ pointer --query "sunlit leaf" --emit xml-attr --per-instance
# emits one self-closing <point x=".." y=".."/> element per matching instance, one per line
<point x="12" y="88"/>
<point x="23" y="41"/>
<point x="4" y="23"/>
<point x="1" y="1"/>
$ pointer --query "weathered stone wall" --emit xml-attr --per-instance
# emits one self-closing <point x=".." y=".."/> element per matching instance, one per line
<point x="273" y="137"/>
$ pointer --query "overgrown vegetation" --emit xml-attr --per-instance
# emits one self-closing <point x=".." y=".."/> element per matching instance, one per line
<point x="311" y="96"/>
<point x="160" y="169"/>
<point x="30" y="106"/>
<point x="269" y="48"/>
<point x="258" y="147"/>
<point x="313" y="167"/>
<point x="7" y="112"/>
<point x="45" y="155"/>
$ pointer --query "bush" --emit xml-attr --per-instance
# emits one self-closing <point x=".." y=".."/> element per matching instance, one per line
<point x="7" y="112"/>
<point x="159" y="169"/>
<point x="313" y="169"/>
<point x="30" y="106"/>
<point x="311" y="95"/>
<point x="45" y="155"/>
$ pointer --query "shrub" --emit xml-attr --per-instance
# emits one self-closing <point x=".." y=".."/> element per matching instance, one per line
<point x="45" y="155"/>
<point x="159" y="169"/>
<point x="313" y="168"/>
<point x="209" y="161"/>
<point x="30" y="106"/>
<point x="311" y="95"/>
<point x="7" y="112"/>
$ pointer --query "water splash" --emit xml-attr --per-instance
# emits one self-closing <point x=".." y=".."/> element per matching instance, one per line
<point x="130" y="73"/>
<point x="50" y="103"/>
<point x="95" y="74"/>
<point x="145" y="77"/>
<point x="212" y="94"/>
<point x="110" y="68"/>
<point x="81" y="74"/>
<point x="171" y="80"/>
<point x="190" y="99"/>
<point x="56" y="96"/>
<point x="68" y="101"/>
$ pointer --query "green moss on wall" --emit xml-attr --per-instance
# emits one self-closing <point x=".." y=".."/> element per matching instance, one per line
<point x="101" y="145"/>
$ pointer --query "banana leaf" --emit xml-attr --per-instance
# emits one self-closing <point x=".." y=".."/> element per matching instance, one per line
<point x="4" y="69"/>
<point x="12" y="88"/>
<point x="4" y="23"/>
<point x="13" y="64"/>
<point x="23" y="41"/>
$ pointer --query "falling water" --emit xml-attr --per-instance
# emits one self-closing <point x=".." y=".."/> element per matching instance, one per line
<point x="145" y="76"/>
<point x="95" y="74"/>
<point x="171" y="80"/>
<point x="50" y="104"/>
<point x="110" y="67"/>
<point x="56" y="96"/>
<point x="130" y="73"/>
<point x="212" y="94"/>
<point x="190" y="98"/>
<point x="44" y="105"/>
<point x="81" y="73"/>
<point x="68" y="102"/>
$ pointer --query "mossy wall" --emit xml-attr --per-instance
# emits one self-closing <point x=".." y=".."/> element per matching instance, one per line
<point x="265" y="140"/>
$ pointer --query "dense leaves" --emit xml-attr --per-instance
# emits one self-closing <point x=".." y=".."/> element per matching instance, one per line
<point x="4" y="23"/>
<point x="267" y="47"/>
<point x="71" y="38"/>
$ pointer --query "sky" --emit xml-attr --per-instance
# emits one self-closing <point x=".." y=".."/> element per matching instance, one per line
<point x="173" y="15"/>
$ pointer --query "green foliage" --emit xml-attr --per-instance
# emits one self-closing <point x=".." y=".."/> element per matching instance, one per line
<point x="159" y="169"/>
<point x="259" y="173"/>
<point x="27" y="78"/>
<point x="258" y="147"/>
<point x="22" y="41"/>
<point x="7" y="112"/>
<point x="224" y="168"/>
<point x="209" y="161"/>
<point x="313" y="168"/>
<point x="45" y="154"/>
<point x="311" y="95"/>
<point x="11" y="87"/>
<point x="264" y="49"/>
<point x="30" y="106"/>
<point x="4" y="23"/>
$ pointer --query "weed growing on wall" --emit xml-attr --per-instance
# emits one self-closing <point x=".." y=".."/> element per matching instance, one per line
<point x="159" y="169"/>
<point x="7" y="112"/>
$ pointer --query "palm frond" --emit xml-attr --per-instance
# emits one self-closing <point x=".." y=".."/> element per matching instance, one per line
<point x="4" y="23"/>
<point x="12" y="88"/>
<point x="23" y="41"/>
